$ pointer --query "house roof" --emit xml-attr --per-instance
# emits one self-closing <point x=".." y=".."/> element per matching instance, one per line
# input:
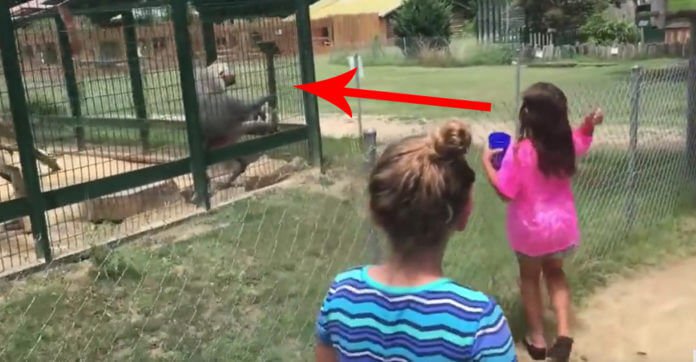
<point x="327" y="8"/>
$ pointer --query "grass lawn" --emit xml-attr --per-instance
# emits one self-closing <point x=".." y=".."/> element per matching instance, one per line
<point x="249" y="287"/>
<point x="585" y="87"/>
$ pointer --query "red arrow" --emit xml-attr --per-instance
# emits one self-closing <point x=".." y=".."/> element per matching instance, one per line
<point x="335" y="92"/>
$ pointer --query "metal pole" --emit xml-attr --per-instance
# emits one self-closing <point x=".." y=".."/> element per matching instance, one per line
<point x="636" y="79"/>
<point x="188" y="91"/>
<point x="272" y="83"/>
<point x="691" y="105"/>
<point x="356" y="58"/>
<point x="22" y="127"/>
<point x="311" y="106"/>
<point x="70" y="79"/>
<point x="136" y="78"/>
<point x="369" y="138"/>
<point x="369" y="141"/>
<point x="518" y="85"/>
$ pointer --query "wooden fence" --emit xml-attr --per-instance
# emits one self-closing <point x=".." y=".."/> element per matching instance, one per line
<point x="625" y="51"/>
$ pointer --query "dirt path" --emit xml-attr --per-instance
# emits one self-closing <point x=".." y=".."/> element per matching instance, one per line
<point x="646" y="318"/>
<point x="649" y="318"/>
<point x="388" y="130"/>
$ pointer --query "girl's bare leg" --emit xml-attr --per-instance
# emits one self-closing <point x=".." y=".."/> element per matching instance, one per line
<point x="530" y="289"/>
<point x="559" y="293"/>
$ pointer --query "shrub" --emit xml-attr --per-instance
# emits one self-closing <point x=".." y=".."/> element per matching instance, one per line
<point x="600" y="30"/>
<point x="492" y="54"/>
<point x="461" y="53"/>
<point x="423" y="24"/>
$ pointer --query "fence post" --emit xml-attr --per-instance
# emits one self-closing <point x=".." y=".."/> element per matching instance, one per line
<point x="518" y="82"/>
<point x="270" y="50"/>
<point x="691" y="106"/>
<point x="311" y="106"/>
<point x="70" y="79"/>
<point x="25" y="139"/>
<point x="369" y="141"/>
<point x="631" y="178"/>
<point x="188" y="92"/>
<point x="357" y="61"/>
<point x="136" y="78"/>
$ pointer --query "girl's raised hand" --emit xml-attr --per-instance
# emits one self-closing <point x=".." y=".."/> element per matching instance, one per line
<point x="598" y="117"/>
<point x="595" y="118"/>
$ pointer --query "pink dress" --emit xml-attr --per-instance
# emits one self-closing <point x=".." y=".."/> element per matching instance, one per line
<point x="541" y="216"/>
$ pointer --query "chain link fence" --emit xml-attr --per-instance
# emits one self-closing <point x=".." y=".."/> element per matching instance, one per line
<point x="243" y="282"/>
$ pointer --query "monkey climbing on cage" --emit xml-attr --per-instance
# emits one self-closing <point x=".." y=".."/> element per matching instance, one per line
<point x="224" y="119"/>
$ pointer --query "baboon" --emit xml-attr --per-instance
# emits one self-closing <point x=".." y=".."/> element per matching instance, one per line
<point x="224" y="119"/>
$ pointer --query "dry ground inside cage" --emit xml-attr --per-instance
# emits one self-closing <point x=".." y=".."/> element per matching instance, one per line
<point x="76" y="227"/>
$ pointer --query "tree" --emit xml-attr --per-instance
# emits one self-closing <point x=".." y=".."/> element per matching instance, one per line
<point x="465" y="8"/>
<point x="423" y="24"/>
<point x="561" y="15"/>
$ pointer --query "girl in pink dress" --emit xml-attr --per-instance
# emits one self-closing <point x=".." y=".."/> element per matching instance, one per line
<point x="535" y="180"/>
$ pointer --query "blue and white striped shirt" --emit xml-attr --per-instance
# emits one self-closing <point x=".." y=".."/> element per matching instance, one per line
<point x="441" y="321"/>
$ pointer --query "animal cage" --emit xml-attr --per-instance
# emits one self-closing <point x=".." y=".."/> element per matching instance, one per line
<point x="103" y="141"/>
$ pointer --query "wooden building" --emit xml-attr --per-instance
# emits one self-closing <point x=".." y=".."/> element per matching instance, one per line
<point x="104" y="50"/>
<point x="338" y="24"/>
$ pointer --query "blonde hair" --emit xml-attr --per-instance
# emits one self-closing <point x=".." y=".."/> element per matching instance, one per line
<point x="420" y="186"/>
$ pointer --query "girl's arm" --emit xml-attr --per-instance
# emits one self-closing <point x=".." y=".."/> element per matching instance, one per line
<point x="583" y="135"/>
<point x="491" y="173"/>
<point x="324" y="353"/>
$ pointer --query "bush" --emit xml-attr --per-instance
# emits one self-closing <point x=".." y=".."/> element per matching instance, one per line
<point x="493" y="54"/>
<point x="462" y="52"/>
<point x="423" y="24"/>
<point x="602" y="31"/>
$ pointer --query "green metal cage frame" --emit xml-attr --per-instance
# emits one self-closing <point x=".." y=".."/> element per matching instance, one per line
<point x="37" y="202"/>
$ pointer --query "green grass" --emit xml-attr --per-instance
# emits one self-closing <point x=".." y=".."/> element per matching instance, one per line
<point x="681" y="5"/>
<point x="585" y="87"/>
<point x="251" y="284"/>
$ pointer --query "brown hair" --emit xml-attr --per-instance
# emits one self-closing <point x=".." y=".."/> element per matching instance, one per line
<point x="544" y="120"/>
<point x="420" y="185"/>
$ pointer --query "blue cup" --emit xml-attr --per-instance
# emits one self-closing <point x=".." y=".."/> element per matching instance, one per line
<point x="496" y="141"/>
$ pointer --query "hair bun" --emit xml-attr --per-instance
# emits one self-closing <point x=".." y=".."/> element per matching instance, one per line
<point x="452" y="140"/>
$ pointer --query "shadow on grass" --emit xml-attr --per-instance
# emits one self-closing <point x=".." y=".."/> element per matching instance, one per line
<point x="251" y="285"/>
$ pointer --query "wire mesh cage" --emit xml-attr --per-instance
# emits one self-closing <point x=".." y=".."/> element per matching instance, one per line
<point x="105" y="94"/>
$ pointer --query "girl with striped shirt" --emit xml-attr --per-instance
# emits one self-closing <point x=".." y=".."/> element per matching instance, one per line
<point x="406" y="309"/>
